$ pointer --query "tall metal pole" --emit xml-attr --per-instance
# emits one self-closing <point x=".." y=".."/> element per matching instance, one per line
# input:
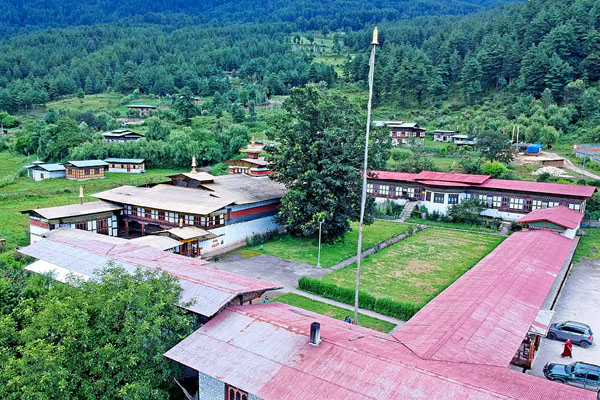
<point x="363" y="200"/>
<point x="319" y="256"/>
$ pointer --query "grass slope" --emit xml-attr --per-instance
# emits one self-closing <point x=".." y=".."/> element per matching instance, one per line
<point x="25" y="194"/>
<point x="452" y="225"/>
<point x="333" y="311"/>
<point x="419" y="267"/>
<point x="589" y="245"/>
<point x="305" y="250"/>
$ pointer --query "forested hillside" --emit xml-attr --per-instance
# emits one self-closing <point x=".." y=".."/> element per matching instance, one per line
<point x="20" y="16"/>
<point x="542" y="49"/>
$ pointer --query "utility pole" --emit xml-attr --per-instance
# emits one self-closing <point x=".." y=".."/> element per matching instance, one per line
<point x="374" y="43"/>
<point x="319" y="256"/>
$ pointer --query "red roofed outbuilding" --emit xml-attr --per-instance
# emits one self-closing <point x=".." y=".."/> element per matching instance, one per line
<point x="559" y="219"/>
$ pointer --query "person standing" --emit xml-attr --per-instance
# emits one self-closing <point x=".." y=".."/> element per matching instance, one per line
<point x="568" y="350"/>
<point x="266" y="300"/>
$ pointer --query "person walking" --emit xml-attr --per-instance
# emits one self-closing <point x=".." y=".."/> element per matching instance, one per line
<point x="568" y="350"/>
<point x="266" y="300"/>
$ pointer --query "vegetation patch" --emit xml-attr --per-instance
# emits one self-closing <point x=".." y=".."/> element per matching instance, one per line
<point x="452" y="225"/>
<point x="334" y="311"/>
<point x="305" y="250"/>
<point x="589" y="245"/>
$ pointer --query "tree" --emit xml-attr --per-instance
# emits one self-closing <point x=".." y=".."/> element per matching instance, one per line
<point x="471" y="76"/>
<point x="318" y="157"/>
<point x="495" y="147"/>
<point x="493" y="168"/>
<point x="471" y="165"/>
<point x="184" y="104"/>
<point x="96" y="339"/>
<point x="467" y="211"/>
<point x="157" y="129"/>
<point x="547" y="98"/>
<point x="415" y="165"/>
<point x="220" y="169"/>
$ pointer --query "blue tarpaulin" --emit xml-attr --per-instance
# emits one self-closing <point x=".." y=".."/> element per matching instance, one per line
<point x="534" y="148"/>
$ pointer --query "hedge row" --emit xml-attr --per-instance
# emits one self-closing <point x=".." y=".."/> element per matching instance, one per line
<point x="386" y="306"/>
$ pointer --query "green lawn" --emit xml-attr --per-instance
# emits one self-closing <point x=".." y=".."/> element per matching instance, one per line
<point x="10" y="163"/>
<point x="333" y="311"/>
<point x="589" y="245"/>
<point x="453" y="225"/>
<point x="446" y="163"/>
<point x="99" y="102"/>
<point x="26" y="194"/>
<point x="419" y="267"/>
<point x="305" y="250"/>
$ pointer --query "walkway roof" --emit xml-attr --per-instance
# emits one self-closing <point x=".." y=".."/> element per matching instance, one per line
<point x="561" y="215"/>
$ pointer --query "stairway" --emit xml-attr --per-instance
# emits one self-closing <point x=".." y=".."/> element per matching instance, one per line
<point x="407" y="211"/>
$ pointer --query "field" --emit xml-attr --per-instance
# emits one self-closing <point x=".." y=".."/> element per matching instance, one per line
<point x="333" y="311"/>
<point x="589" y="245"/>
<point x="25" y="194"/>
<point x="100" y="102"/>
<point x="305" y="250"/>
<point x="419" y="267"/>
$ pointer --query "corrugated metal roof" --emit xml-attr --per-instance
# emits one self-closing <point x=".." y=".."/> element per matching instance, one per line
<point x="121" y="133"/>
<point x="209" y="290"/>
<point x="87" y="163"/>
<point x="484" y="182"/>
<point x="168" y="197"/>
<point x="450" y="177"/>
<point x="74" y="210"/>
<point x="188" y="232"/>
<point x="156" y="242"/>
<point x="48" y="167"/>
<point x="483" y="317"/>
<point x="264" y="349"/>
<point x="560" y="215"/>
<point x="200" y="176"/>
<point x="246" y="189"/>
<point x="540" y="187"/>
<point x="125" y="160"/>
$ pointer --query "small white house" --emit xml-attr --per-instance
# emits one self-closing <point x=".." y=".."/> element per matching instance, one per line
<point x="38" y="171"/>
<point x="126" y="165"/>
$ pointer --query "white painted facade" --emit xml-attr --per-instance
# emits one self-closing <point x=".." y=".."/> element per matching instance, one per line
<point x="36" y="232"/>
<point x="40" y="175"/>
<point x="231" y="235"/>
<point x="125" y="171"/>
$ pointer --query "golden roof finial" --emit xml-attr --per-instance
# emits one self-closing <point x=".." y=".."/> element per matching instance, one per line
<point x="375" y="41"/>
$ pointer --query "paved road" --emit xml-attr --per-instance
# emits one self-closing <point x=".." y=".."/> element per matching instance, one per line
<point x="269" y="268"/>
<point x="570" y="166"/>
<point x="578" y="301"/>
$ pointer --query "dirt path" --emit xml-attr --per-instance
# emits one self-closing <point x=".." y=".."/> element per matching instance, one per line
<point x="572" y="167"/>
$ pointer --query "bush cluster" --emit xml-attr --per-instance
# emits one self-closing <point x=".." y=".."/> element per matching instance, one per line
<point x="385" y="306"/>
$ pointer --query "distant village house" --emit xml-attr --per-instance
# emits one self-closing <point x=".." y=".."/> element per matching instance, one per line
<point x="85" y="169"/>
<point x="121" y="136"/>
<point x="39" y="171"/>
<point x="144" y="110"/>
<point x="126" y="165"/>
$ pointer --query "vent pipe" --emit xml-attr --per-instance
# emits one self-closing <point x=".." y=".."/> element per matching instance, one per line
<point x="315" y="333"/>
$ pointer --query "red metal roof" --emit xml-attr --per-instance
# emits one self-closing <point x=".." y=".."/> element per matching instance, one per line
<point x="560" y="215"/>
<point x="392" y="176"/>
<point x="450" y="177"/>
<point x="264" y="349"/>
<point x="485" y="182"/>
<point x="483" y="317"/>
<point x="539" y="187"/>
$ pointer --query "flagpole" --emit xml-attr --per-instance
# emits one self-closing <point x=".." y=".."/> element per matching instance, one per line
<point x="363" y="201"/>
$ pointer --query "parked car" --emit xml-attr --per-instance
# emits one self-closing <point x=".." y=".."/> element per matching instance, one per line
<point x="583" y="375"/>
<point x="579" y="333"/>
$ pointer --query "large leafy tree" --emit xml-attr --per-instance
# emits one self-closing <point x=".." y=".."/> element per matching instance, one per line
<point x="94" y="340"/>
<point x="318" y="157"/>
<point x="495" y="147"/>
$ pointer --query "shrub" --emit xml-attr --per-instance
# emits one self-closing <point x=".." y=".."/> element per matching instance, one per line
<point x="386" y="306"/>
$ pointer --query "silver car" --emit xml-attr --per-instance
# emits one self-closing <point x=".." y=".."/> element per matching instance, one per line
<point x="577" y="332"/>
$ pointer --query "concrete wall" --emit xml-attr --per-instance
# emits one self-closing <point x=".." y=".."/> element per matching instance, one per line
<point x="233" y="234"/>
<point x="214" y="389"/>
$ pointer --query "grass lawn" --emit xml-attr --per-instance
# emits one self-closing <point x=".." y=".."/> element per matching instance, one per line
<point x="99" y="102"/>
<point x="453" y="225"/>
<point x="333" y="311"/>
<point x="589" y="245"/>
<point x="305" y="250"/>
<point x="446" y="163"/>
<point x="419" y="267"/>
<point x="10" y="163"/>
<point x="26" y="194"/>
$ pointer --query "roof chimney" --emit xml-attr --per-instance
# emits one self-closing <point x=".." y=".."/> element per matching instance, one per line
<point x="315" y="333"/>
<point x="81" y="195"/>
<point x="193" y="163"/>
